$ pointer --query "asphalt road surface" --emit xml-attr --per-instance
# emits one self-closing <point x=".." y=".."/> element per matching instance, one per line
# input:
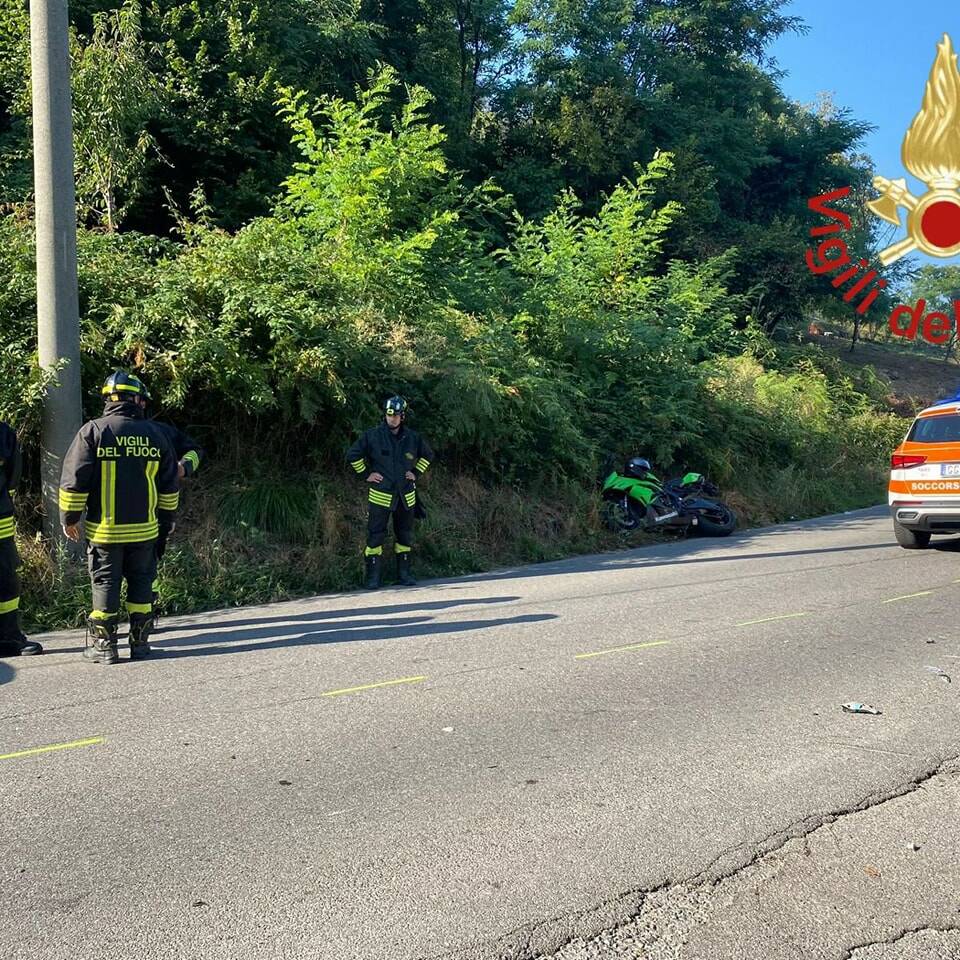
<point x="639" y="754"/>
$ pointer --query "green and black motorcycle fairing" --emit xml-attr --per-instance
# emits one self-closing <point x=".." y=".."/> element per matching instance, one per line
<point x="685" y="504"/>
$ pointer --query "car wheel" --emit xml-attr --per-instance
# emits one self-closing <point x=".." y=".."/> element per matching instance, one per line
<point x="910" y="539"/>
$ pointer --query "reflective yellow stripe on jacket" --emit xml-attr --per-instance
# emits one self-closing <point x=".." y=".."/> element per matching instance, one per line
<point x="8" y="527"/>
<point x="108" y="492"/>
<point x="71" y="501"/>
<point x="150" y="468"/>
<point x="121" y="532"/>
<point x="380" y="498"/>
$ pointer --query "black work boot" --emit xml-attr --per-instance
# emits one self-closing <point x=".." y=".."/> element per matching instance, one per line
<point x="101" y="643"/>
<point x="374" y="572"/>
<point x="141" y="626"/>
<point x="404" y="577"/>
<point x="19" y="646"/>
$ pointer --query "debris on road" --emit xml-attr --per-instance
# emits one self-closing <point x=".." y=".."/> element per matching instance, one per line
<point x="854" y="707"/>
<point x="936" y="671"/>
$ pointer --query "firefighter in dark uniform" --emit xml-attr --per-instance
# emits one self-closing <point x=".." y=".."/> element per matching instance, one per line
<point x="122" y="470"/>
<point x="189" y="456"/>
<point x="391" y="457"/>
<point x="12" y="641"/>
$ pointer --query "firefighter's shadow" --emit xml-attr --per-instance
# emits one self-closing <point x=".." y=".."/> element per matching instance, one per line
<point x="349" y="631"/>
<point x="7" y="673"/>
<point x="199" y="626"/>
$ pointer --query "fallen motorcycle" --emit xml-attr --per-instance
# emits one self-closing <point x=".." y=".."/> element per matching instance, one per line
<point x="637" y="500"/>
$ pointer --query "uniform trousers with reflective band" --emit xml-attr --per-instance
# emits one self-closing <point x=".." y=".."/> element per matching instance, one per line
<point x="111" y="564"/>
<point x="377" y="519"/>
<point x="9" y="589"/>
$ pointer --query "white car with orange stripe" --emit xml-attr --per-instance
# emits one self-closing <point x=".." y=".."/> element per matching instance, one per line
<point x="924" y="491"/>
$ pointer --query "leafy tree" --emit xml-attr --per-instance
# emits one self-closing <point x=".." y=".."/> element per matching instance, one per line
<point x="940" y="288"/>
<point x="607" y="84"/>
<point x="221" y="64"/>
<point x="16" y="174"/>
<point x="115" y="95"/>
<point x="218" y="66"/>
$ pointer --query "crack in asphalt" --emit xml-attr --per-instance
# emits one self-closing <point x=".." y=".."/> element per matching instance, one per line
<point x="542" y="939"/>
<point x="897" y="937"/>
<point x="714" y="871"/>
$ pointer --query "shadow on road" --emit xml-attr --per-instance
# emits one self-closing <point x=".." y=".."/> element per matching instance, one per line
<point x="292" y="635"/>
<point x="950" y="546"/>
<point x="365" y="611"/>
<point x="672" y="554"/>
<point x="656" y="561"/>
<point x="7" y="673"/>
<point x="321" y="626"/>
<point x="296" y="626"/>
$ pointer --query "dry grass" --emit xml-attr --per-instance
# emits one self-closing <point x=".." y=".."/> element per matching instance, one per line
<point x="916" y="380"/>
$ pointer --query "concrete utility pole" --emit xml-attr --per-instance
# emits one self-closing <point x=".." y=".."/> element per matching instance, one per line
<point x="58" y="311"/>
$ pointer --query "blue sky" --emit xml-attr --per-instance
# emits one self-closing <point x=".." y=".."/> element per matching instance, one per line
<point x="873" y="59"/>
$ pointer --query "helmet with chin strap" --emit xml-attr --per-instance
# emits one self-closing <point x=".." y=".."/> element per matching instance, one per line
<point x="396" y="406"/>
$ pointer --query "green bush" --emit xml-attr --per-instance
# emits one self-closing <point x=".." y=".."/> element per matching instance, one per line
<point x="526" y="363"/>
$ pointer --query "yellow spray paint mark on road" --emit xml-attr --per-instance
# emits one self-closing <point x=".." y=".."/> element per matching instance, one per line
<point x="54" y="746"/>
<point x="783" y="616"/>
<point x="909" y="596"/>
<point x="632" y="646"/>
<point x="372" y="686"/>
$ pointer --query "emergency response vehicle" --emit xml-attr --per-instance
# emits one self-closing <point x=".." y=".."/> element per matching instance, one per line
<point x="924" y="491"/>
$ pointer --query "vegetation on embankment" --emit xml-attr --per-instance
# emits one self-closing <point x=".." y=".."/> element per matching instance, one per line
<point x="636" y="314"/>
<point x="801" y="436"/>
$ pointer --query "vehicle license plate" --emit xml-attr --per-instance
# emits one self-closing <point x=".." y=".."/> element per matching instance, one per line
<point x="950" y="469"/>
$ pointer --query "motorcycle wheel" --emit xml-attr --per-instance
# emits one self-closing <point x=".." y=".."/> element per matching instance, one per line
<point x="720" y="522"/>
<point x="618" y="515"/>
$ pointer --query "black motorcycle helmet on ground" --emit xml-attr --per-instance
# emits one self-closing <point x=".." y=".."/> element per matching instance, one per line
<point x="638" y="467"/>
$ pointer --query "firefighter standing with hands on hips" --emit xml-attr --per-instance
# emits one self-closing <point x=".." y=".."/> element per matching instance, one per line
<point x="122" y="470"/>
<point x="12" y="641"/>
<point x="391" y="458"/>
